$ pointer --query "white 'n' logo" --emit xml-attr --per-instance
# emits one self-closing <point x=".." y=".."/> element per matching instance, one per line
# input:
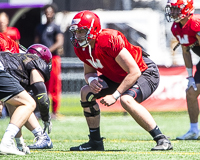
<point x="96" y="64"/>
<point x="183" y="40"/>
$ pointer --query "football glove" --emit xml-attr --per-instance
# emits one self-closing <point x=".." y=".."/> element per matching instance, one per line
<point x="47" y="125"/>
<point x="191" y="83"/>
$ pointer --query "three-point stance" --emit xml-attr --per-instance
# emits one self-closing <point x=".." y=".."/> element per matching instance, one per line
<point x="22" y="72"/>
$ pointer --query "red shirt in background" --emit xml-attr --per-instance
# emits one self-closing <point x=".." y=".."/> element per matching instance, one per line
<point x="12" y="33"/>
<point x="7" y="44"/>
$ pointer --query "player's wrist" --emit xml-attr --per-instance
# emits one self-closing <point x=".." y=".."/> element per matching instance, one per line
<point x="90" y="79"/>
<point x="116" y="94"/>
<point x="189" y="70"/>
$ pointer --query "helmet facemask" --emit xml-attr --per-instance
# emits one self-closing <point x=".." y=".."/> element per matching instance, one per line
<point x="176" y="10"/>
<point x="85" y="22"/>
<point x="82" y="39"/>
<point x="173" y="13"/>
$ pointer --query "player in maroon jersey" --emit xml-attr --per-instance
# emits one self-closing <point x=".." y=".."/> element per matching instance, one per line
<point x="127" y="73"/>
<point x="186" y="29"/>
<point x="28" y="72"/>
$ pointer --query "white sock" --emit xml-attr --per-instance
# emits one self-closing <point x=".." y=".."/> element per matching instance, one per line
<point x="37" y="131"/>
<point x="194" y="127"/>
<point x="10" y="132"/>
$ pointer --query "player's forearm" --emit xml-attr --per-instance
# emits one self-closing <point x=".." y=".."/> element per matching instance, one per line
<point x="88" y="75"/>
<point x="89" y="72"/>
<point x="188" y="60"/>
<point x="42" y="99"/>
<point x="187" y="57"/>
<point x="55" y="46"/>
<point x="128" y="82"/>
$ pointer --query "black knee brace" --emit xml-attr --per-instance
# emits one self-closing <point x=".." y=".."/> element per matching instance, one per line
<point x="92" y="110"/>
<point x="90" y="96"/>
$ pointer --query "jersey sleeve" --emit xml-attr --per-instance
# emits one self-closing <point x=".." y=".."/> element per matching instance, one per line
<point x="41" y="66"/>
<point x="195" y="25"/>
<point x="113" y="45"/>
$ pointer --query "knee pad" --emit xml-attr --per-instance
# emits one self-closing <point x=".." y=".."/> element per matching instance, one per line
<point x="93" y="112"/>
<point x="135" y="93"/>
<point x="90" y="96"/>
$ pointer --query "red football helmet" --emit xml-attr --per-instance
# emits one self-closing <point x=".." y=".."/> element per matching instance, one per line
<point x="85" y="22"/>
<point x="42" y="51"/>
<point x="178" y="9"/>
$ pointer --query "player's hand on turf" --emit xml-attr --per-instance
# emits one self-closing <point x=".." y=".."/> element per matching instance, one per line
<point x="95" y="85"/>
<point x="108" y="100"/>
<point x="48" y="126"/>
<point x="191" y="83"/>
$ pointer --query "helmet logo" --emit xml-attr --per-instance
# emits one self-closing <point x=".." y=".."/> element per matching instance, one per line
<point x="39" y="49"/>
<point x="76" y="21"/>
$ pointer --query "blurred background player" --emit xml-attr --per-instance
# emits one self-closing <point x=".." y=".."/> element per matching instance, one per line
<point x="51" y="36"/>
<point x="7" y="45"/>
<point x="11" y="32"/>
<point x="127" y="73"/>
<point x="186" y="30"/>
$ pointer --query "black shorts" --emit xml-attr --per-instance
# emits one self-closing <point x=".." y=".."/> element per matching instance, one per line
<point x="142" y="89"/>
<point x="9" y="86"/>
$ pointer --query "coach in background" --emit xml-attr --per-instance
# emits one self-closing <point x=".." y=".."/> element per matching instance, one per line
<point x="50" y="35"/>
<point x="186" y="29"/>
<point x="127" y="73"/>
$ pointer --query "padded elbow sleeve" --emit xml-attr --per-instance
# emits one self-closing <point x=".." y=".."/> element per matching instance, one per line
<point x="42" y="99"/>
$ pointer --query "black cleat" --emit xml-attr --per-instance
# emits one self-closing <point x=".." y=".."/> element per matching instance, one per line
<point x="163" y="143"/>
<point x="92" y="145"/>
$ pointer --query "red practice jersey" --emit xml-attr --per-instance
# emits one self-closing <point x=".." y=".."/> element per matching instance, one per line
<point x="7" y="44"/>
<point x="12" y="33"/>
<point x="108" y="44"/>
<point x="186" y="35"/>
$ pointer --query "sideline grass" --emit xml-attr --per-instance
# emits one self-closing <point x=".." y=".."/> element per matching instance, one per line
<point x="125" y="139"/>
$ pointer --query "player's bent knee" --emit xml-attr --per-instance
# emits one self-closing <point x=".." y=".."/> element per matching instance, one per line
<point x="32" y="105"/>
<point x="93" y="112"/>
<point x="126" y="100"/>
<point x="84" y="91"/>
<point x="190" y="93"/>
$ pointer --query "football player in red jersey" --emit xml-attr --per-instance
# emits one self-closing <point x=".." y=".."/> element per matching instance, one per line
<point x="186" y="29"/>
<point x="11" y="32"/>
<point x="127" y="73"/>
